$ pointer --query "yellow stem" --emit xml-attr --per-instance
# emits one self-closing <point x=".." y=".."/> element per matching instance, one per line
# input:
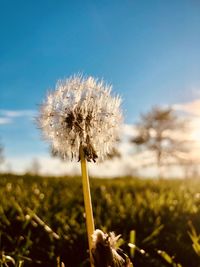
<point x="87" y="201"/>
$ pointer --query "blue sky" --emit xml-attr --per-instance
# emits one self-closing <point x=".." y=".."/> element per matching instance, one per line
<point x="148" y="50"/>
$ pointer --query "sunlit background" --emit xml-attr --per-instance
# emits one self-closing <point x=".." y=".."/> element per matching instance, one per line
<point x="148" y="51"/>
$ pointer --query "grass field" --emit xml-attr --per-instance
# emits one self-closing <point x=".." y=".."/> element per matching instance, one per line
<point x="42" y="219"/>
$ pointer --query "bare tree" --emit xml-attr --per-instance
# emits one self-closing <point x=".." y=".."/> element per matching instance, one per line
<point x="160" y="131"/>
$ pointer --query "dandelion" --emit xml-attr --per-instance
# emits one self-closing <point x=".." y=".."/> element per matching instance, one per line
<point x="81" y="112"/>
<point x="82" y="121"/>
<point x="105" y="252"/>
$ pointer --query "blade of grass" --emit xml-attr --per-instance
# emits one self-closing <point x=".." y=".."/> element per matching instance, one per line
<point x="132" y="241"/>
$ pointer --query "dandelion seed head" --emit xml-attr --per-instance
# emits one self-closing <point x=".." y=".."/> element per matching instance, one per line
<point x="81" y="111"/>
<point x="104" y="250"/>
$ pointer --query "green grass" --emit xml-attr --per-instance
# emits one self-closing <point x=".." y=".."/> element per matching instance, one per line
<point x="42" y="219"/>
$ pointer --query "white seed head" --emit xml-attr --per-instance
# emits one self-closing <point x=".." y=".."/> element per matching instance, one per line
<point x="81" y="111"/>
<point x="100" y="237"/>
<point x="104" y="250"/>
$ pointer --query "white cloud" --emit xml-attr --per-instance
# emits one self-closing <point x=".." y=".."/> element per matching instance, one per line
<point x="54" y="166"/>
<point x="17" y="113"/>
<point x="4" y="120"/>
<point x="129" y="130"/>
<point x="8" y="116"/>
<point x="192" y="107"/>
<point x="47" y="165"/>
<point x="117" y="167"/>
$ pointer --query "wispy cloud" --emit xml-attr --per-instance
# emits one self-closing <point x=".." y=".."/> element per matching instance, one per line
<point x="5" y="120"/>
<point x="17" y="113"/>
<point x="193" y="107"/>
<point x="8" y="116"/>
